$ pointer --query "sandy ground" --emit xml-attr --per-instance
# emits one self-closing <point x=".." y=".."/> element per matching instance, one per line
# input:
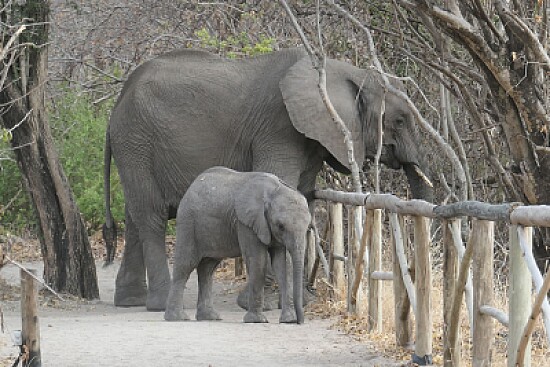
<point x="77" y="333"/>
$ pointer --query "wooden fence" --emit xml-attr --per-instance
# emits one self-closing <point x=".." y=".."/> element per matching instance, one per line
<point x="461" y="279"/>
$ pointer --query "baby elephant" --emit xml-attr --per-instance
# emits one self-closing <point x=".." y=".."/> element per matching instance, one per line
<point x="224" y="214"/>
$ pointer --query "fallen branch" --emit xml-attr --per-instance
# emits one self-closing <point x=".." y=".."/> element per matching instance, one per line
<point x="495" y="313"/>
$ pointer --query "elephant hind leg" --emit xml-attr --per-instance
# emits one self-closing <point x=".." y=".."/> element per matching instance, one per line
<point x="184" y="264"/>
<point x="205" y="304"/>
<point x="150" y="216"/>
<point x="131" y="288"/>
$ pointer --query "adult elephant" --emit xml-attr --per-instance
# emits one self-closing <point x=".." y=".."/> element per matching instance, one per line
<point x="189" y="110"/>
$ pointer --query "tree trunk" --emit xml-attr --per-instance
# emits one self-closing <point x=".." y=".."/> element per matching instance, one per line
<point x="68" y="261"/>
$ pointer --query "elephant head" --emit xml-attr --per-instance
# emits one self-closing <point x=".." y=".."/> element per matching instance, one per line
<point x="279" y="215"/>
<point x="357" y="96"/>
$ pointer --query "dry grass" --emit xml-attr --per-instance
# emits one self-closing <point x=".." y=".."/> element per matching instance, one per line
<point x="385" y="343"/>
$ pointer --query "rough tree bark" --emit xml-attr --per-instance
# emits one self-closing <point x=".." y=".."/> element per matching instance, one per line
<point x="68" y="261"/>
<point x="506" y="42"/>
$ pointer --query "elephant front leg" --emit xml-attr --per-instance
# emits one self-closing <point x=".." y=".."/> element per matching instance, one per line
<point x="131" y="288"/>
<point x="281" y="265"/>
<point x="256" y="265"/>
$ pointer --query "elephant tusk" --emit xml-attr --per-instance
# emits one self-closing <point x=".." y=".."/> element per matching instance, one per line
<point x="423" y="176"/>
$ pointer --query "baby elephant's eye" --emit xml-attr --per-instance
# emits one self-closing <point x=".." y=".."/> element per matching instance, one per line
<point x="281" y="226"/>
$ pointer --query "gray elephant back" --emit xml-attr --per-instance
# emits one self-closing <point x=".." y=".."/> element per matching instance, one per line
<point x="183" y="108"/>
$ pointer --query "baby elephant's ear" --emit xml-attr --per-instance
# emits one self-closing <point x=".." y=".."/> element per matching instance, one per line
<point x="250" y="207"/>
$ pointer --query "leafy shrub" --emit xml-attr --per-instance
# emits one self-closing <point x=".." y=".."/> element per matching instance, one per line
<point x="232" y="46"/>
<point x="78" y="127"/>
<point x="16" y="212"/>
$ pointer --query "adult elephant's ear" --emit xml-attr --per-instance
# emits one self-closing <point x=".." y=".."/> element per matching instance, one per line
<point x="250" y="205"/>
<point x="309" y="114"/>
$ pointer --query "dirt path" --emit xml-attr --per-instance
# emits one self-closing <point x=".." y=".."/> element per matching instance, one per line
<point x="99" y="334"/>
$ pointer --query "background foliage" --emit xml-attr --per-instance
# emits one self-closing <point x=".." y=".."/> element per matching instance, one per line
<point x="78" y="126"/>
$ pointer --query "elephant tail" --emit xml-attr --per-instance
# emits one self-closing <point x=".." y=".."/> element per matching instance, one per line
<point x="109" y="228"/>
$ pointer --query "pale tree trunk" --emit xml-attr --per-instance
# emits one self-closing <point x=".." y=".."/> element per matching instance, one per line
<point x="68" y="261"/>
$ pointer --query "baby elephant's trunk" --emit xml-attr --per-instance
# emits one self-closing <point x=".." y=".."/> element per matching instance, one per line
<point x="297" y="273"/>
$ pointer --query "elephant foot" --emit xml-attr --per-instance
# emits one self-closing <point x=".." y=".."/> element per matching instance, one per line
<point x="175" y="315"/>
<point x="255" y="317"/>
<point x="271" y="298"/>
<point x="123" y="298"/>
<point x="288" y="317"/>
<point x="207" y="314"/>
<point x="156" y="300"/>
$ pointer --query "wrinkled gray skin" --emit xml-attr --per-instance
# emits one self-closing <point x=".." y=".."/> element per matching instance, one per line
<point x="226" y="213"/>
<point x="186" y="111"/>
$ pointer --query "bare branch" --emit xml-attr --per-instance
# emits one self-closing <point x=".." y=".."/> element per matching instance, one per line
<point x="523" y="32"/>
<point x="4" y="51"/>
<point x="449" y="152"/>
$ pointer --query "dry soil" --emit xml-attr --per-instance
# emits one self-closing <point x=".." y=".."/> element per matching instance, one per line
<point x="79" y="333"/>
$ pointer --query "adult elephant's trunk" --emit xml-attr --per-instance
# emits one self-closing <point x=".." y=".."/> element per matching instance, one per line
<point x="297" y="255"/>
<point x="420" y="185"/>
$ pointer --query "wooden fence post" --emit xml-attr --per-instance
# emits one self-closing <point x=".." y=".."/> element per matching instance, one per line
<point x="524" y="236"/>
<point x="402" y="307"/>
<point x="451" y="353"/>
<point x="311" y="254"/>
<point x="239" y="266"/>
<point x="353" y="256"/>
<point x="366" y="238"/>
<point x="483" y="339"/>
<point x="468" y="288"/>
<point x="29" y="318"/>
<point x="337" y="248"/>
<point x="423" y="266"/>
<point x="375" y="264"/>
<point x="519" y="304"/>
<point x="537" y="308"/>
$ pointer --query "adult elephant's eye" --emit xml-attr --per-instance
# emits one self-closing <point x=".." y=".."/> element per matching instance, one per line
<point x="281" y="227"/>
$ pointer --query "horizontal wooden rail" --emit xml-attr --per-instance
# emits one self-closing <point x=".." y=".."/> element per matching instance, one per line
<point x="515" y="213"/>
<point x="381" y="275"/>
<point x="379" y="201"/>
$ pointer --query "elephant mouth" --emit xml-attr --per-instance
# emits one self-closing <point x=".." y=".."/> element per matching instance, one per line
<point x="388" y="157"/>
